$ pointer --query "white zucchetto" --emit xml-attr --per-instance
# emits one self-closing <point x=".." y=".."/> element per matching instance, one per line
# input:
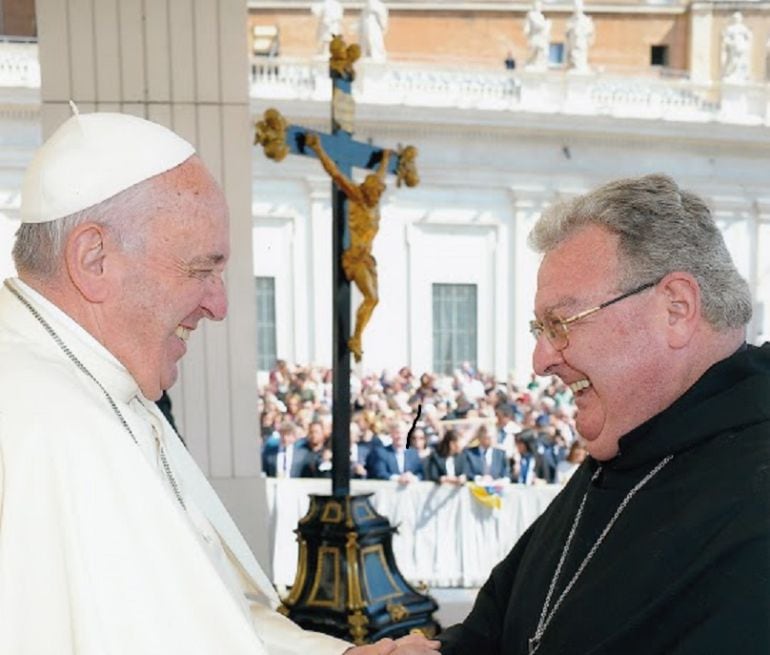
<point x="92" y="157"/>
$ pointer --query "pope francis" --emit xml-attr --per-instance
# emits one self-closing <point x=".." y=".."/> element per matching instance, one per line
<point x="112" y="542"/>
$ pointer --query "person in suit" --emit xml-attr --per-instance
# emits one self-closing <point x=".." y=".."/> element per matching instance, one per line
<point x="446" y="464"/>
<point x="395" y="462"/>
<point x="319" y="449"/>
<point x="528" y="466"/>
<point x="418" y="440"/>
<point x="359" y="451"/>
<point x="485" y="462"/>
<point x="288" y="459"/>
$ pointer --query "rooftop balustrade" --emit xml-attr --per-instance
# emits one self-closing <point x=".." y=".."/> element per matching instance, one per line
<point x="474" y="85"/>
<point x="622" y="94"/>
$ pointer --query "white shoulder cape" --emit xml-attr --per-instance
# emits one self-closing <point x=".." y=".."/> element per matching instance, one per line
<point x="96" y="557"/>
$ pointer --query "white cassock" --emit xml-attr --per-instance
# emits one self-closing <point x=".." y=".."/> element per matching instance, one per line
<point x="97" y="555"/>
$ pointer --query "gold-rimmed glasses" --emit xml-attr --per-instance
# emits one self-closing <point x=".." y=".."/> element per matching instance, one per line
<point x="555" y="328"/>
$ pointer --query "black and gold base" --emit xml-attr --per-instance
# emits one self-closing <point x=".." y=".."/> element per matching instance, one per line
<point x="348" y="584"/>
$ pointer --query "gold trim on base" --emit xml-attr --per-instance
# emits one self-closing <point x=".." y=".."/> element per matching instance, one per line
<point x="299" y="579"/>
<point x="358" y="623"/>
<point x="334" y="602"/>
<point x="397" y="612"/>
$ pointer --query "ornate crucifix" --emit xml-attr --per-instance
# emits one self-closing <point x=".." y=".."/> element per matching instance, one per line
<point x="356" y="218"/>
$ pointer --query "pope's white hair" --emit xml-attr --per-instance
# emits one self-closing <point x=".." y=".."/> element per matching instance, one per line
<point x="39" y="247"/>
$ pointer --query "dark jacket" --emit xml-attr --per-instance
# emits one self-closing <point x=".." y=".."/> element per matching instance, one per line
<point x="475" y="463"/>
<point x="381" y="463"/>
<point x="685" y="570"/>
<point x="302" y="463"/>
<point x="435" y="465"/>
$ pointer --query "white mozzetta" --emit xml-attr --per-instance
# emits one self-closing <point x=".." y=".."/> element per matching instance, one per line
<point x="91" y="535"/>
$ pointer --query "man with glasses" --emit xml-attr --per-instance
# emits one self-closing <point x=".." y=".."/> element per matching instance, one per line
<point x="660" y="542"/>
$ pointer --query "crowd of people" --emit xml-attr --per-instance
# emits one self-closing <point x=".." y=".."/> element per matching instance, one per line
<point x="470" y="427"/>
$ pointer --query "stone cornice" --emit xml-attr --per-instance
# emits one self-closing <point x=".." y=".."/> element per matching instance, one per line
<point x="406" y="122"/>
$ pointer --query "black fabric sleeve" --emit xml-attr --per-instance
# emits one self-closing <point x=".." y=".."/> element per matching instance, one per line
<point x="481" y="632"/>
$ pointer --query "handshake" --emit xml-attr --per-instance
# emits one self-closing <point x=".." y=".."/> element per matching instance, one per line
<point x="409" y="645"/>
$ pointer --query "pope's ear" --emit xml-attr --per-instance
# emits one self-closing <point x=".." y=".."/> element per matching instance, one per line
<point x="682" y="301"/>
<point x="85" y="254"/>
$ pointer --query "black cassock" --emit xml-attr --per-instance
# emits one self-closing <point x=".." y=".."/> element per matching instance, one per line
<point x="686" y="567"/>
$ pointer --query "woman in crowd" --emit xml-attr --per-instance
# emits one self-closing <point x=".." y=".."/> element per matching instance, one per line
<point x="447" y="464"/>
<point x="575" y="457"/>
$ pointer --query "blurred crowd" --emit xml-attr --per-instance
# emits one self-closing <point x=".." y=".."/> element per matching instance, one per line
<point x="470" y="427"/>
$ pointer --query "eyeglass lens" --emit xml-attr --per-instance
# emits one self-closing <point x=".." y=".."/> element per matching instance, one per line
<point x="555" y="330"/>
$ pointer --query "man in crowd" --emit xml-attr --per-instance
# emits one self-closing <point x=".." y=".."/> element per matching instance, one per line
<point x="484" y="462"/>
<point x="287" y="458"/>
<point x="396" y="461"/>
<point x="660" y="542"/>
<point x="319" y="451"/>
<point x="111" y="539"/>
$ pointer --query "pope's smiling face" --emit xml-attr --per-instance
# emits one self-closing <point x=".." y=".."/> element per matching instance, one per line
<point x="174" y="280"/>
<point x="613" y="357"/>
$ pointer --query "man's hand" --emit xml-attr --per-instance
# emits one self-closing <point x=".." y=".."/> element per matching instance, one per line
<point x="417" y="645"/>
<point x="409" y="645"/>
<point x="382" y="647"/>
<point x="312" y="140"/>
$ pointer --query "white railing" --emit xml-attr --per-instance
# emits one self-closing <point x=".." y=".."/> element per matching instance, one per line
<point x="600" y="93"/>
<point x="19" y="64"/>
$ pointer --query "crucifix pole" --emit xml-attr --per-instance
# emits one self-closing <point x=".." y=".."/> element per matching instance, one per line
<point x="341" y="295"/>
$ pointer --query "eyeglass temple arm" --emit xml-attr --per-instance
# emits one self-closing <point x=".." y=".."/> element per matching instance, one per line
<point x="607" y="303"/>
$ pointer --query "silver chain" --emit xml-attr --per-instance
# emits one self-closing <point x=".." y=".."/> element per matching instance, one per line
<point x="82" y="368"/>
<point x="545" y="615"/>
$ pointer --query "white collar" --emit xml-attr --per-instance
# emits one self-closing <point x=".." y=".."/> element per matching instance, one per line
<point x="102" y="364"/>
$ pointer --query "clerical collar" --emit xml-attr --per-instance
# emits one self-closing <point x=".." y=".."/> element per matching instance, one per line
<point x="695" y="415"/>
<point x="100" y="361"/>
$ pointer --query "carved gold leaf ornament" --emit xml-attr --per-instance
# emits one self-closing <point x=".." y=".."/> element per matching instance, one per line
<point x="270" y="133"/>
<point x="406" y="172"/>
<point x="397" y="612"/>
<point x="427" y="631"/>
<point x="355" y="598"/>
<point x="358" y="623"/>
<point x="342" y="57"/>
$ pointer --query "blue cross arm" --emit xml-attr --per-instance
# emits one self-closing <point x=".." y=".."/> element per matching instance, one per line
<point x="341" y="148"/>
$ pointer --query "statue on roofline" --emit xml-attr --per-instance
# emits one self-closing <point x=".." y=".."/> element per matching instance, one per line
<point x="736" y="50"/>
<point x="580" y="36"/>
<point x="329" y="14"/>
<point x="537" y="29"/>
<point x="372" y="28"/>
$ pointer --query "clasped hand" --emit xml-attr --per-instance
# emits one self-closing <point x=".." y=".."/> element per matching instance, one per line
<point x="409" y="645"/>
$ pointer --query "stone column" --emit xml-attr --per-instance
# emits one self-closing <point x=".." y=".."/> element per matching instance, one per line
<point x="182" y="63"/>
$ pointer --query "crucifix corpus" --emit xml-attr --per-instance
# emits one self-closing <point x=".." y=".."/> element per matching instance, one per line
<point x="356" y="221"/>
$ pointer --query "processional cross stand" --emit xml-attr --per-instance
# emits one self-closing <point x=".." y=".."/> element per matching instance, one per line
<point x="347" y="582"/>
<point x="355" y="218"/>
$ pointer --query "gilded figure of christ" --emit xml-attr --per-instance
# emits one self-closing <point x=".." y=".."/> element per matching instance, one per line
<point x="358" y="263"/>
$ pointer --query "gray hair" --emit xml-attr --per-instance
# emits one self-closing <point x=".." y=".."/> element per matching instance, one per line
<point x="661" y="229"/>
<point x="39" y="247"/>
